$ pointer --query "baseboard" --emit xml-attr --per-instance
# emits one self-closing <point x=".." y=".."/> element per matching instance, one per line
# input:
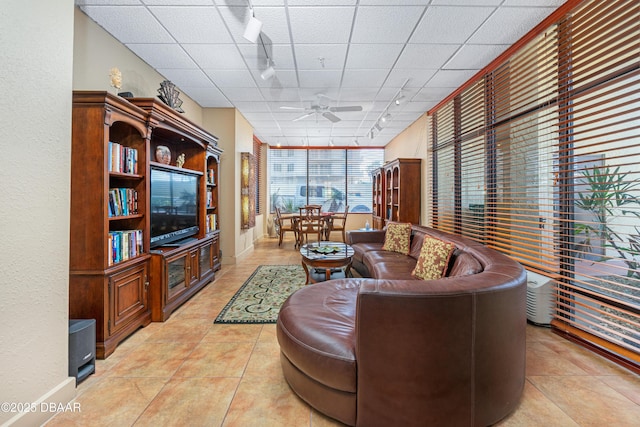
<point x="56" y="400"/>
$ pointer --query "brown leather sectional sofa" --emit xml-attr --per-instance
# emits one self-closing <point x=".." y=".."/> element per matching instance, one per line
<point x="390" y="350"/>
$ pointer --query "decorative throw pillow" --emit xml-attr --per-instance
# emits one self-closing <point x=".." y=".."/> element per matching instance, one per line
<point x="434" y="259"/>
<point x="397" y="237"/>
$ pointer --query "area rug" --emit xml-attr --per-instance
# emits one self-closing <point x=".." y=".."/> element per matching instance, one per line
<point x="259" y="299"/>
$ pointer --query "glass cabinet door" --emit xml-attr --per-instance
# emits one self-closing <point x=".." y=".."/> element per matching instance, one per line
<point x="177" y="277"/>
<point x="205" y="259"/>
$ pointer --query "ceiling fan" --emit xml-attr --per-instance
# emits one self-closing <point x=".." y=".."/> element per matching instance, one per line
<point x="318" y="108"/>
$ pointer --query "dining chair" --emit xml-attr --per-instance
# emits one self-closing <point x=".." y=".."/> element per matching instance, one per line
<point x="338" y="222"/>
<point x="310" y="222"/>
<point x="284" y="225"/>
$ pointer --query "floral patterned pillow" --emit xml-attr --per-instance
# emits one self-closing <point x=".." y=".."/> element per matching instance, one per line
<point x="397" y="237"/>
<point x="434" y="259"/>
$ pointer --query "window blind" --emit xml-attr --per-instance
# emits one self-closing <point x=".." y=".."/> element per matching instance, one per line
<point x="538" y="158"/>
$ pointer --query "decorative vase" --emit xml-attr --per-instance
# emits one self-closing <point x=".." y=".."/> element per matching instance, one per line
<point x="163" y="154"/>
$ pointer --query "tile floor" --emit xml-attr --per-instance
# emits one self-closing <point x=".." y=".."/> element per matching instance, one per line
<point x="188" y="371"/>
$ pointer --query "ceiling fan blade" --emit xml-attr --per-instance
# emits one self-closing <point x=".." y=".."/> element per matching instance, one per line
<point x="350" y="108"/>
<point x="330" y="116"/>
<point x="293" y="108"/>
<point x="304" y="116"/>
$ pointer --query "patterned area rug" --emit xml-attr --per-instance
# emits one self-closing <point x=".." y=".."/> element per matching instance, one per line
<point x="259" y="299"/>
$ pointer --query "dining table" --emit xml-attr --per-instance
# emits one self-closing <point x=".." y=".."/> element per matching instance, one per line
<point x="326" y="218"/>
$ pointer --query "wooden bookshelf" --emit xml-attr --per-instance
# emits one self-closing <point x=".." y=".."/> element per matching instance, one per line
<point x="115" y="276"/>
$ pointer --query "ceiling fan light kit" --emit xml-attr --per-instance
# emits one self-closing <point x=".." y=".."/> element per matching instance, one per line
<point x="317" y="108"/>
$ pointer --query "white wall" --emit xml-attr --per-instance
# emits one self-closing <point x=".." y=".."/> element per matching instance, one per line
<point x="36" y="41"/>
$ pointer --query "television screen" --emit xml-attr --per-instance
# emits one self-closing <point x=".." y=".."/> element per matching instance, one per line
<point x="174" y="206"/>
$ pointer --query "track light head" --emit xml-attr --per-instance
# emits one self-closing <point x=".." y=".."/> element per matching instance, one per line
<point x="254" y="26"/>
<point x="268" y="73"/>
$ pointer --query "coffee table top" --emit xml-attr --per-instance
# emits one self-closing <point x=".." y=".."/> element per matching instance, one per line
<point x="329" y="251"/>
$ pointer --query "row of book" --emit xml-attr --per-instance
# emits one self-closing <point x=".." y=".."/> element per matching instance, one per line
<point x="123" y="201"/>
<point x="210" y="199"/>
<point x="211" y="177"/>
<point x="122" y="159"/>
<point x="212" y="222"/>
<point x="124" y="245"/>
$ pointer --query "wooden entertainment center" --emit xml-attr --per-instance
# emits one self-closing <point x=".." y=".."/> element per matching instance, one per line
<point x="115" y="276"/>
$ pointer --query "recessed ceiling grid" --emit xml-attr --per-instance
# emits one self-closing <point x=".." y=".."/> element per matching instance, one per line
<point x="330" y="57"/>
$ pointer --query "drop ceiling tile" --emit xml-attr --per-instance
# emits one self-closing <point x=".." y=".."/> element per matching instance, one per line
<point x="394" y="2"/>
<point x="208" y="97"/>
<point x="107" y="2"/>
<point x="322" y="2"/>
<point x="216" y="56"/>
<point x="358" y="94"/>
<point x="274" y="23"/>
<point x="308" y="56"/>
<point x="467" y="2"/>
<point x="321" y="24"/>
<point x="193" y="24"/>
<point x="231" y="78"/>
<point x="186" y="78"/>
<point x="432" y="94"/>
<point x="319" y="78"/>
<point x="364" y="78"/>
<point x="311" y="93"/>
<point x="280" y="54"/>
<point x="474" y="56"/>
<point x="282" y="79"/>
<point x="373" y="55"/>
<point x="385" y="24"/>
<point x="428" y="56"/>
<point x="508" y="24"/>
<point x="529" y="3"/>
<point x="177" y="2"/>
<point x="417" y="78"/>
<point x="242" y="94"/>
<point x="126" y="26"/>
<point x="450" y="78"/>
<point x="245" y="4"/>
<point x="450" y="25"/>
<point x="282" y="94"/>
<point x="163" y="55"/>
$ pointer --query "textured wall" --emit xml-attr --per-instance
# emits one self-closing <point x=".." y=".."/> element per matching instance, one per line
<point x="36" y="41"/>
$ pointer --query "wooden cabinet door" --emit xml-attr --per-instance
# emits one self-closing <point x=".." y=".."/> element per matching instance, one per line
<point x="128" y="296"/>
<point x="215" y="252"/>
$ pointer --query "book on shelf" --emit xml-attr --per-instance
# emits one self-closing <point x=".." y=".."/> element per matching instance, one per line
<point x="124" y="245"/>
<point x="211" y="177"/>
<point x="209" y="199"/>
<point x="212" y="222"/>
<point x="122" y="159"/>
<point x="123" y="202"/>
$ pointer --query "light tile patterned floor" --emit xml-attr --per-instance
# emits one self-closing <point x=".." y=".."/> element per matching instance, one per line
<point x="188" y="371"/>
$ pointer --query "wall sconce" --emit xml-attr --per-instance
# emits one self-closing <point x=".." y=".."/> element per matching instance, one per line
<point x="247" y="191"/>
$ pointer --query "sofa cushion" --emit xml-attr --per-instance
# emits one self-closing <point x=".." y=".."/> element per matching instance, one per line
<point x="434" y="259"/>
<point x="416" y="244"/>
<point x="398" y="237"/>
<point x="463" y="264"/>
<point x="360" y="249"/>
<point x="374" y="261"/>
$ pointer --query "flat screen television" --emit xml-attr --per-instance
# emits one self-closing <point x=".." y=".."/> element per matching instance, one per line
<point x="174" y="205"/>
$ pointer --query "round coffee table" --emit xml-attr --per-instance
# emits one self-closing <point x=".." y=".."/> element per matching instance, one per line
<point x="326" y="256"/>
